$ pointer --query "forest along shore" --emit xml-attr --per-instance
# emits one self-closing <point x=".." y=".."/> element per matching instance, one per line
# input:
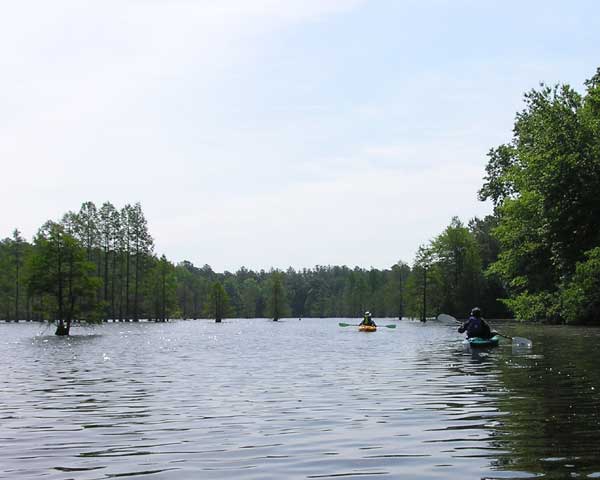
<point x="536" y="258"/>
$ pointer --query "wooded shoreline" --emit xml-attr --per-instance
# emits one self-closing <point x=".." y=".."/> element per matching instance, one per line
<point x="537" y="257"/>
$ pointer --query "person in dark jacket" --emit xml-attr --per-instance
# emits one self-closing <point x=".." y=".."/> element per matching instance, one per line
<point x="476" y="326"/>
<point x="367" y="320"/>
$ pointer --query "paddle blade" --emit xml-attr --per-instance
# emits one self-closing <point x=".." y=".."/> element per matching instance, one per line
<point x="444" y="317"/>
<point x="522" y="342"/>
<point x="391" y="325"/>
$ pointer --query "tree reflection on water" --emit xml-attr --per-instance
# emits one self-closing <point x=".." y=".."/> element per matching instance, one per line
<point x="551" y="424"/>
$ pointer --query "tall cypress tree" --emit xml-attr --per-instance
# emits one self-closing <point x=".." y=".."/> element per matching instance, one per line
<point x="218" y="302"/>
<point x="143" y="245"/>
<point x="109" y="230"/>
<point x="125" y="253"/>
<point x="18" y="252"/>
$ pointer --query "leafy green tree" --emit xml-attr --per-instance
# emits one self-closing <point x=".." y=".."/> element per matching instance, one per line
<point x="231" y="288"/>
<point x="185" y="288"/>
<point x="395" y="295"/>
<point x="162" y="289"/>
<point x="492" y="286"/>
<point x="200" y="294"/>
<point x="143" y="245"/>
<point x="13" y="252"/>
<point x="544" y="185"/>
<point x="109" y="228"/>
<point x="70" y="223"/>
<point x="249" y="293"/>
<point x="376" y="282"/>
<point x="413" y="304"/>
<point x="124" y="251"/>
<point x="297" y="290"/>
<point x="420" y="284"/>
<point x="356" y="294"/>
<point x="59" y="271"/>
<point x="86" y="228"/>
<point x="580" y="299"/>
<point x="458" y="269"/>
<point x="18" y="251"/>
<point x="277" y="306"/>
<point x="316" y="298"/>
<point x="218" y="302"/>
<point x="6" y="277"/>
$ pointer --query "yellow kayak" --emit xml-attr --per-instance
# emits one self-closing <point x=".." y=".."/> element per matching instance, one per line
<point x="367" y="328"/>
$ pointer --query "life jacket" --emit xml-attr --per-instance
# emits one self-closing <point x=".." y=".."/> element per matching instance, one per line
<point x="477" y="328"/>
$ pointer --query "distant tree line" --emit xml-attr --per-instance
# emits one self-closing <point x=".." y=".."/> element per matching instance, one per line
<point x="536" y="257"/>
<point x="98" y="264"/>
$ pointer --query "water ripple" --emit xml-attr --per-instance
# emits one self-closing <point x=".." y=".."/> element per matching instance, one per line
<point x="254" y="400"/>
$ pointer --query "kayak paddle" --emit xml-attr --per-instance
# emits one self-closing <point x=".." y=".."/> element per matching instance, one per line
<point x="517" y="341"/>
<point x="391" y="325"/>
<point x="443" y="317"/>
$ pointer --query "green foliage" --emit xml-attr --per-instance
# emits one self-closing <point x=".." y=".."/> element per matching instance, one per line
<point x="457" y="268"/>
<point x="447" y="274"/>
<point x="523" y="260"/>
<point x="117" y="247"/>
<point x="13" y="296"/>
<point x="531" y="307"/>
<point x="6" y="279"/>
<point x="218" y="302"/>
<point x="109" y="230"/>
<point x="249" y="294"/>
<point x="277" y="306"/>
<point x="491" y="288"/>
<point x="423" y="287"/>
<point x="395" y="292"/>
<point x="231" y="288"/>
<point x="501" y="170"/>
<point x="545" y="186"/>
<point x="581" y="297"/>
<point x="162" y="289"/>
<point x="59" y="272"/>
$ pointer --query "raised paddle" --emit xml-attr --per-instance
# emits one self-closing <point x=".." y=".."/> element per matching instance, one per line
<point x="391" y="325"/>
<point x="443" y="317"/>
<point x="517" y="341"/>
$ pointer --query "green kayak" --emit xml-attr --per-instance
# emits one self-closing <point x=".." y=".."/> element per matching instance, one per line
<point x="478" y="342"/>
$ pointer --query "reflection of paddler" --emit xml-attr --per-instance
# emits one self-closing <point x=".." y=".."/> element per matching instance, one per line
<point x="367" y="320"/>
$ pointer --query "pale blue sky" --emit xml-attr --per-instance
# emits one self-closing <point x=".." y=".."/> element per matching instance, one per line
<point x="273" y="133"/>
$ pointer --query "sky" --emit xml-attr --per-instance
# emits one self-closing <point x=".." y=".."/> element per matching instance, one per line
<point x="271" y="133"/>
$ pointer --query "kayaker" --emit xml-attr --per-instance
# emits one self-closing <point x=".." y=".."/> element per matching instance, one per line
<point x="476" y="326"/>
<point x="367" y="320"/>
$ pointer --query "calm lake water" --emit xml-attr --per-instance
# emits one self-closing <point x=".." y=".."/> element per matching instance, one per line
<point x="258" y="400"/>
